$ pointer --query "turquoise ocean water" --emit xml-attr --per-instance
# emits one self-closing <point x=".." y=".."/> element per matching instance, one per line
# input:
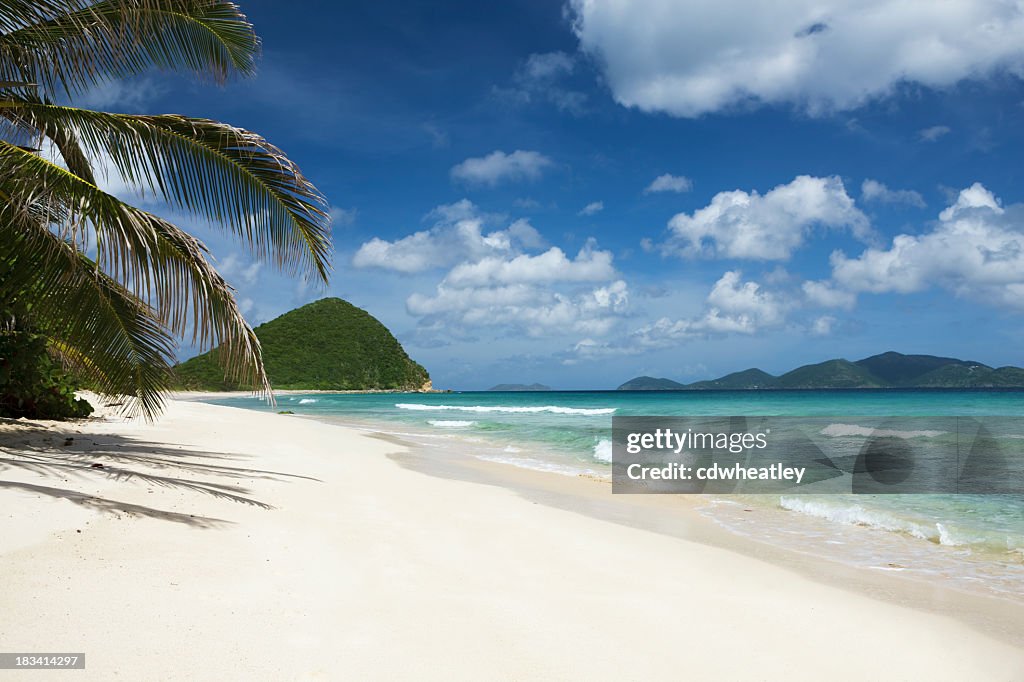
<point x="973" y="541"/>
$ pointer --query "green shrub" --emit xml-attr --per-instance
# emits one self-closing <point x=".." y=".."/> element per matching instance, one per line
<point x="32" y="383"/>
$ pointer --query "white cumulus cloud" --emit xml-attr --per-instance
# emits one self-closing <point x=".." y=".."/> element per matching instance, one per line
<point x="457" y="234"/>
<point x="826" y="295"/>
<point x="688" y="59"/>
<point x="739" y="224"/>
<point x="669" y="183"/>
<point x="975" y="249"/>
<point x="592" y="208"/>
<point x="975" y="196"/>
<point x="524" y="307"/>
<point x="507" y="280"/>
<point x="873" y="190"/>
<point x="498" y="167"/>
<point x="551" y="266"/>
<point x="733" y="306"/>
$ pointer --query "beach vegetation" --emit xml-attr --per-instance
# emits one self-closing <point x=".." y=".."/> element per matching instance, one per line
<point x="108" y="286"/>
<point x="34" y="383"/>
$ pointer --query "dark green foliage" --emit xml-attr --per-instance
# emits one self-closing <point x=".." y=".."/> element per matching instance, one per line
<point x="973" y="376"/>
<point x="32" y="383"/>
<point x="326" y="345"/>
<point x="887" y="370"/>
<point x="899" y="369"/>
<point x="954" y="375"/>
<point x="651" y="384"/>
<point x="1006" y="376"/>
<point x="748" y="378"/>
<point x="830" y="374"/>
<point x="108" y="284"/>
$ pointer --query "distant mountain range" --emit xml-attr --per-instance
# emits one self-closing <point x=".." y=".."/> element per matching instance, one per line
<point x="888" y="370"/>
<point x="520" y="387"/>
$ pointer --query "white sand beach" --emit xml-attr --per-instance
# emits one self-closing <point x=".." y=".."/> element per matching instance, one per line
<point x="223" y="544"/>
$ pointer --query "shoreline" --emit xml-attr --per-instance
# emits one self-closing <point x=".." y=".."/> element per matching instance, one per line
<point x="837" y="529"/>
<point x="680" y="516"/>
<point x="721" y="534"/>
<point x="207" y="395"/>
<point x="192" y="395"/>
<point x="480" y="568"/>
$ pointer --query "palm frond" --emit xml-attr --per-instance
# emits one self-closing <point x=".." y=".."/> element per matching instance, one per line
<point x="73" y="45"/>
<point x="166" y="267"/>
<point x="114" y="317"/>
<point x="98" y="327"/>
<point x="228" y="175"/>
<point x="16" y="14"/>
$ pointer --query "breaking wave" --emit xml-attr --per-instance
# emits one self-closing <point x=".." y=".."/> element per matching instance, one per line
<point x="509" y="409"/>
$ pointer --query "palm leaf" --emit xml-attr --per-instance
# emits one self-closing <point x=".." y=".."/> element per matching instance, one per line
<point x="167" y="268"/>
<point x="74" y="45"/>
<point x="113" y="317"/>
<point x="228" y="175"/>
<point x="93" y="323"/>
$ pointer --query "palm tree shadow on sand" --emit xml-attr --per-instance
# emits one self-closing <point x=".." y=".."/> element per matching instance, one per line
<point x="61" y="455"/>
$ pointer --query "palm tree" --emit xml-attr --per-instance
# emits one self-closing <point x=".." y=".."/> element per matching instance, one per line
<point x="110" y="285"/>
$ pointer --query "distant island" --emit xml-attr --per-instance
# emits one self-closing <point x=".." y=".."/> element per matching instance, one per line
<point x="329" y="344"/>
<point x="887" y="370"/>
<point x="520" y="387"/>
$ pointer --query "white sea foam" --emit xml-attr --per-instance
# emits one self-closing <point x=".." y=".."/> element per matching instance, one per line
<point x="449" y="423"/>
<point x="970" y="537"/>
<point x="856" y="515"/>
<point x="535" y="464"/>
<point x="307" y="401"/>
<point x="603" y="450"/>
<point x="508" y="409"/>
<point x="402" y="434"/>
<point x="840" y="430"/>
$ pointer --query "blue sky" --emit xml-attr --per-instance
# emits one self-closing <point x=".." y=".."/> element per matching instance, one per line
<point x="578" y="194"/>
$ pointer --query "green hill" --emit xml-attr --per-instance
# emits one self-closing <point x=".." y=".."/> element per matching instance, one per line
<point x="508" y="388"/>
<point x="748" y="378"/>
<point x="326" y="345"/>
<point x="1006" y="377"/>
<point x="973" y="376"/>
<point x="830" y="374"/>
<point x="651" y="384"/>
<point x="961" y="376"/>
<point x="887" y="370"/>
<point x="899" y="369"/>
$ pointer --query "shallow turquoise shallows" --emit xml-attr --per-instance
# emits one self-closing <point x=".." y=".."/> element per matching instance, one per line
<point x="569" y="433"/>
